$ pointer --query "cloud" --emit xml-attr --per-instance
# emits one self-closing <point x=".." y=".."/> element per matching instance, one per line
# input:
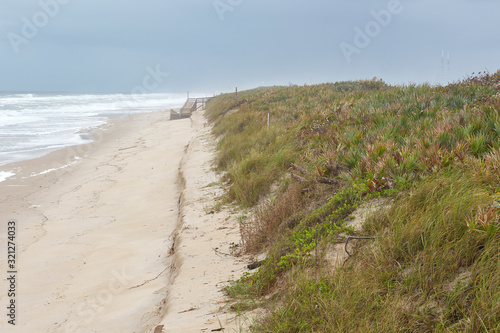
<point x="104" y="46"/>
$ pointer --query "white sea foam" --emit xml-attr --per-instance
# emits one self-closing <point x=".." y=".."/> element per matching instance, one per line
<point x="5" y="174"/>
<point x="33" y="124"/>
<point x="44" y="172"/>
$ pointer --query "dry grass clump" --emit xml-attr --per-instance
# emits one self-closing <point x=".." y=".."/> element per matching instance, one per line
<point x="270" y="218"/>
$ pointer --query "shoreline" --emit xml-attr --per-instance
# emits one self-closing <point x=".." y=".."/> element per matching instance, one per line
<point x="93" y="135"/>
<point x="34" y="124"/>
<point x="93" y="237"/>
<point x="112" y="238"/>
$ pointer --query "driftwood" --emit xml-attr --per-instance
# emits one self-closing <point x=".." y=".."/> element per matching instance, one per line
<point x="298" y="178"/>
<point x="329" y="181"/>
<point x="299" y="169"/>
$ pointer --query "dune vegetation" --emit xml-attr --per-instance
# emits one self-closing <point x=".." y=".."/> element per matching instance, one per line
<point x="428" y="157"/>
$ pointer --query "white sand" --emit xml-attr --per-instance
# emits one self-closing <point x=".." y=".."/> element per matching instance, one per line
<point x="95" y="239"/>
<point x="202" y="246"/>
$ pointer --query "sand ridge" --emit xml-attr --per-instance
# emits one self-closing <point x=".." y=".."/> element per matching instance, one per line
<point x="204" y="244"/>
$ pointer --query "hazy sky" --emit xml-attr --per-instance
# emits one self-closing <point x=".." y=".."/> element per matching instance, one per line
<point x="211" y="46"/>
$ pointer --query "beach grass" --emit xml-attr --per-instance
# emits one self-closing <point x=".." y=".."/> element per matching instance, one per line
<point x="431" y="262"/>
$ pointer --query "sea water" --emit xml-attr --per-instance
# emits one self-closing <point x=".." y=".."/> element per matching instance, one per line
<point x="33" y="124"/>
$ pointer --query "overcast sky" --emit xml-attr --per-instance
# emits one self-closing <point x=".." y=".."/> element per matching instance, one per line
<point x="212" y="46"/>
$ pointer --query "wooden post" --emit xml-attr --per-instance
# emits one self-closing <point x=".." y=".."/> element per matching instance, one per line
<point x="236" y="94"/>
<point x="268" y="121"/>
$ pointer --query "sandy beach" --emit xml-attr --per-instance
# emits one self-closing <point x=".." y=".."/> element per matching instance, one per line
<point x="119" y="236"/>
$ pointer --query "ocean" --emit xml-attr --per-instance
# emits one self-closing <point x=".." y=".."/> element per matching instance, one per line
<point x="34" y="124"/>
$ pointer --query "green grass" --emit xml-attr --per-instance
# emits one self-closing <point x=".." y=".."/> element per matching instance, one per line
<point x="435" y="150"/>
<point x="406" y="280"/>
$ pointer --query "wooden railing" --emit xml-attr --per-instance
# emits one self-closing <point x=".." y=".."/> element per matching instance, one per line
<point x="191" y="105"/>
